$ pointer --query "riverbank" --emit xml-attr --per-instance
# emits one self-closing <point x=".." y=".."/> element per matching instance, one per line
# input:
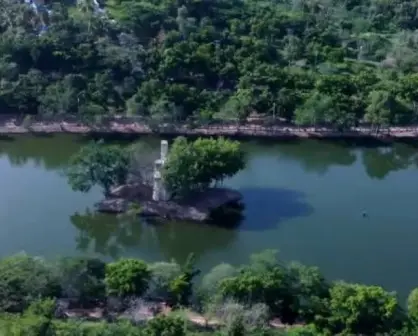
<point x="126" y="126"/>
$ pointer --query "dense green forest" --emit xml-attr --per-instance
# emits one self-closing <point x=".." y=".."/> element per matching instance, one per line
<point x="313" y="62"/>
<point x="262" y="298"/>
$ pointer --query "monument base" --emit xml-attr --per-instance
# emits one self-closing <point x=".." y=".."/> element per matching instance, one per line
<point x="197" y="206"/>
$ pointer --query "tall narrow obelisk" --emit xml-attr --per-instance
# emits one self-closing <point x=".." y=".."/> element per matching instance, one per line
<point x="159" y="192"/>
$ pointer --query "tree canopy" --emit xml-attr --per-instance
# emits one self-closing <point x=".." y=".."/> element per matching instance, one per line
<point x="96" y="163"/>
<point x="240" y="300"/>
<point x="190" y="165"/>
<point x="333" y="62"/>
<point x="195" y="165"/>
<point x="127" y="277"/>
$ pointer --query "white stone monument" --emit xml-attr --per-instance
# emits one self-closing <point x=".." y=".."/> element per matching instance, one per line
<point x="164" y="150"/>
<point x="159" y="192"/>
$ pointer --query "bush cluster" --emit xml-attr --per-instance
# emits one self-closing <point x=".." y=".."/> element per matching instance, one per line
<point x="263" y="297"/>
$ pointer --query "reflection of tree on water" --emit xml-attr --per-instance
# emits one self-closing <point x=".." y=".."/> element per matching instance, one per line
<point x="176" y="240"/>
<point x="53" y="151"/>
<point x="318" y="156"/>
<point x="381" y="161"/>
<point x="111" y="236"/>
<point x="108" y="235"/>
<point x="50" y="152"/>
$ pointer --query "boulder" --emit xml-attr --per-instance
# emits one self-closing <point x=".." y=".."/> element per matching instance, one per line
<point x="113" y="205"/>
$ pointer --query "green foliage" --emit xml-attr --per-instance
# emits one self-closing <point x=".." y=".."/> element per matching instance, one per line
<point x="83" y="279"/>
<point x="308" y="330"/>
<point x="311" y="289"/>
<point x="211" y="280"/>
<point x="166" y="326"/>
<point x="127" y="277"/>
<point x="45" y="308"/>
<point x="181" y="287"/>
<point x="413" y="305"/>
<point x="77" y="328"/>
<point x="198" y="164"/>
<point x="171" y="62"/>
<point x="24" y="279"/>
<point x="271" y="287"/>
<point x="99" y="164"/>
<point x="241" y="301"/>
<point x="28" y="325"/>
<point x="360" y="309"/>
<point x="163" y="274"/>
<point x="384" y="108"/>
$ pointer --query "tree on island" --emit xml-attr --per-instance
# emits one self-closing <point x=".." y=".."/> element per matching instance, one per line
<point x="191" y="165"/>
<point x="96" y="163"/>
<point x="199" y="164"/>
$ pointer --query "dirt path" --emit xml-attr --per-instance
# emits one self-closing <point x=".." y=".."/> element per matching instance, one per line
<point x="144" y="313"/>
<point x="125" y="126"/>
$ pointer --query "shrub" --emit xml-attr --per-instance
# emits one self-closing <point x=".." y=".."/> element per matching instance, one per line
<point x="360" y="309"/>
<point x="166" y="326"/>
<point x="83" y="279"/>
<point x="127" y="277"/>
<point x="413" y="305"/>
<point x="26" y="325"/>
<point x="308" y="330"/>
<point x="162" y="276"/>
<point x="24" y="279"/>
<point x="211" y="280"/>
<point x="45" y="308"/>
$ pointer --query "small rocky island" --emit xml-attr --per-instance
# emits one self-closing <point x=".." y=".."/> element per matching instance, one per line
<point x="154" y="200"/>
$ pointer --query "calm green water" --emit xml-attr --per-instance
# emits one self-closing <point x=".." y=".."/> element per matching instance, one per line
<point x="304" y="198"/>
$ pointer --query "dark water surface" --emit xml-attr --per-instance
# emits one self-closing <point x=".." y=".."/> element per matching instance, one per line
<point x="304" y="198"/>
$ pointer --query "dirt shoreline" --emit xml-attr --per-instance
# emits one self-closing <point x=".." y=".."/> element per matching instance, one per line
<point x="146" y="313"/>
<point x="124" y="126"/>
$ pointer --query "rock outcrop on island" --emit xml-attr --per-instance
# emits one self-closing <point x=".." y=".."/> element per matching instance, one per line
<point x="197" y="206"/>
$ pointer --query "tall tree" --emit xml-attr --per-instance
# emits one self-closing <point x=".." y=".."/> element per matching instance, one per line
<point x="96" y="163"/>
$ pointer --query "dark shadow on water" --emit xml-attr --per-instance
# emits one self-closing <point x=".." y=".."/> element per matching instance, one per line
<point x="42" y="135"/>
<point x="271" y="142"/>
<point x="358" y="142"/>
<point x="413" y="142"/>
<point x="228" y="217"/>
<point x="110" y="137"/>
<point x="5" y="137"/>
<point x="266" y="208"/>
<point x="348" y="142"/>
<point x="121" y="139"/>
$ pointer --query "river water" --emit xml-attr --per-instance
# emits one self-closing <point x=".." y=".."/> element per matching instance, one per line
<point x="304" y="198"/>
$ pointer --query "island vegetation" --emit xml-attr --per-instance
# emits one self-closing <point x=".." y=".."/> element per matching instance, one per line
<point x="190" y="174"/>
<point x="310" y="62"/>
<point x="201" y="164"/>
<point x="98" y="164"/>
<point x="191" y="165"/>
<point x="129" y="297"/>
